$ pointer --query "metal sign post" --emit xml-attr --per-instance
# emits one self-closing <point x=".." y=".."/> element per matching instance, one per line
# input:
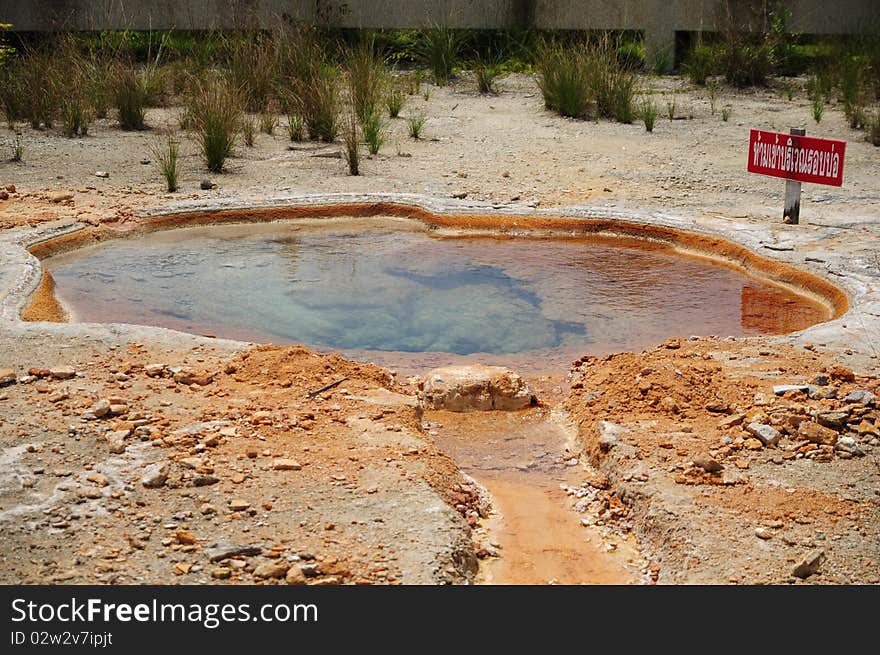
<point x="792" y="211"/>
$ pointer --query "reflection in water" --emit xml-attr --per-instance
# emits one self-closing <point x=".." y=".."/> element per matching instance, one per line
<point x="380" y="288"/>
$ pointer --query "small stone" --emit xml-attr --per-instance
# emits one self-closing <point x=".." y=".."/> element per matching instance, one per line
<point x="842" y="374"/>
<point x="60" y="196"/>
<point x="205" y="480"/>
<point x="225" y="549"/>
<point x="221" y="573"/>
<point x="286" y="465"/>
<point x="275" y="569"/>
<point x="185" y="537"/>
<point x="821" y="380"/>
<point x="809" y="564"/>
<point x="192" y="462"/>
<point x="155" y="476"/>
<point x="822" y="393"/>
<point x="833" y="419"/>
<point x="732" y="420"/>
<point x="238" y="478"/>
<point x="816" y="433"/>
<point x="239" y="505"/>
<point x="668" y="404"/>
<point x="849" y="445"/>
<point x="103" y="174"/>
<point x="154" y="370"/>
<point x="58" y="396"/>
<point x="781" y="389"/>
<point x="117" y="447"/>
<point x="860" y="396"/>
<point x="717" y="407"/>
<point x="7" y="376"/>
<point x="752" y="444"/>
<point x="62" y="372"/>
<point x="708" y="464"/>
<point x="763" y="533"/>
<point x="98" y="479"/>
<point x="206" y="185"/>
<point x="768" y="435"/>
<point x="295" y="576"/>
<point x="101" y="408"/>
<point x="867" y="428"/>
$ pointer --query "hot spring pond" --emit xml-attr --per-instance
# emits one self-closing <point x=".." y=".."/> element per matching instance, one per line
<point x="389" y="285"/>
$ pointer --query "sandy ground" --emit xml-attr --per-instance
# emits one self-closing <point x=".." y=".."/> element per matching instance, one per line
<point x="367" y="461"/>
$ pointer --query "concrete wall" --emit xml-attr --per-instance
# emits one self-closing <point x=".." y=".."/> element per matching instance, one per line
<point x="658" y="19"/>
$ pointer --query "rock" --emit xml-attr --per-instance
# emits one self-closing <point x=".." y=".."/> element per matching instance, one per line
<point x="239" y="505"/>
<point x="221" y="573"/>
<point x="185" y="537"/>
<point x="192" y="462"/>
<point x="732" y="420"/>
<point x="821" y="380"/>
<point x="809" y="564"/>
<point x="117" y="447"/>
<point x="286" y="465"/>
<point x="867" y="428"/>
<point x="842" y="374"/>
<point x="849" y="445"/>
<point x="205" y="480"/>
<point x="822" y="393"/>
<point x="860" y="396"/>
<point x="752" y="444"/>
<point x="184" y="375"/>
<point x="275" y="569"/>
<point x="668" y="404"/>
<point x="295" y="576"/>
<point x="475" y="388"/>
<point x="206" y="185"/>
<point x="4" y="195"/>
<point x="597" y="479"/>
<point x="155" y="476"/>
<point x="103" y="174"/>
<point x="226" y="549"/>
<point x="101" y="408"/>
<point x="60" y="196"/>
<point x="154" y="370"/>
<point x="62" y="372"/>
<point x="610" y="434"/>
<point x="816" y="433"/>
<point x="763" y="533"/>
<point x="717" y="407"/>
<point x="58" y="396"/>
<point x="766" y="434"/>
<point x="708" y="464"/>
<point x="835" y="420"/>
<point x="781" y="389"/>
<point x="7" y="376"/>
<point x="98" y="479"/>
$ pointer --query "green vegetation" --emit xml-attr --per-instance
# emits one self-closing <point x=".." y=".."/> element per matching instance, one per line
<point x="649" y="112"/>
<point x="416" y="122"/>
<point x="394" y="100"/>
<point x="374" y="132"/>
<point x="439" y="49"/>
<point x="575" y="80"/>
<point x="351" y="139"/>
<point x="248" y="130"/>
<point x="166" y="153"/>
<point x="214" y="112"/>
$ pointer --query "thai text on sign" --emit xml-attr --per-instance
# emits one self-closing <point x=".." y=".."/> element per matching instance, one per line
<point x="793" y="157"/>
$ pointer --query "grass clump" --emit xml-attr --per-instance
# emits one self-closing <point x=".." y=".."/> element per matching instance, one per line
<point x="351" y="141"/>
<point x="248" y="130"/>
<point x="818" y="106"/>
<point x="215" y="114"/>
<point x="649" y="113"/>
<point x="575" y="79"/>
<point x="166" y="152"/>
<point x="486" y="72"/>
<point x="416" y="122"/>
<point x="374" y="132"/>
<point x="394" y="100"/>
<point x="367" y="78"/>
<point x="17" y="148"/>
<point x="872" y="128"/>
<point x="725" y="114"/>
<point x="439" y="48"/>
<point x="268" y="122"/>
<point x="132" y="90"/>
<point x="701" y="64"/>
<point x="296" y="128"/>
